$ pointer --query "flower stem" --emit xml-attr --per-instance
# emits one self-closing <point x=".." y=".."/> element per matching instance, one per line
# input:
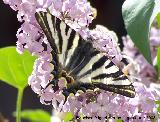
<point x="18" y="107"/>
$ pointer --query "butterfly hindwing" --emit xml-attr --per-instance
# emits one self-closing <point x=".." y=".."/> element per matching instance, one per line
<point x="89" y="67"/>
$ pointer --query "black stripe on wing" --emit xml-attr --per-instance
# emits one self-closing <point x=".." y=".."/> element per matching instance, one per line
<point x="58" y="30"/>
<point x="109" y="65"/>
<point x="113" y="75"/>
<point x="81" y="56"/>
<point x="43" y="22"/>
<point x="70" y="41"/>
<point x="99" y="63"/>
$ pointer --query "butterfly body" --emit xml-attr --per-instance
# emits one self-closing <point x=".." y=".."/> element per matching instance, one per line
<point x="78" y="62"/>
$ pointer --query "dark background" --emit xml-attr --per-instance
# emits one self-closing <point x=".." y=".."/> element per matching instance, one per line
<point x="108" y="14"/>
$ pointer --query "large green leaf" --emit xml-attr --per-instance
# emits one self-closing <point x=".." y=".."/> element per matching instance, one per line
<point x="138" y="16"/>
<point x="15" y="68"/>
<point x="36" y="115"/>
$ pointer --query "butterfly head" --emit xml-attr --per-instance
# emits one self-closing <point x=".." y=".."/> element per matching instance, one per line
<point x="68" y="79"/>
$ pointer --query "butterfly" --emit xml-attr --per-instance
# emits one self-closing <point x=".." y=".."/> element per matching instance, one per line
<point x="77" y="61"/>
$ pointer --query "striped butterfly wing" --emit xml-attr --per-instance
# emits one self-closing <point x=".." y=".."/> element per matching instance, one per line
<point x="88" y="67"/>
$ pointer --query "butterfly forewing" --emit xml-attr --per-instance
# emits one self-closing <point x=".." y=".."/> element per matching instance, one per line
<point x="89" y="67"/>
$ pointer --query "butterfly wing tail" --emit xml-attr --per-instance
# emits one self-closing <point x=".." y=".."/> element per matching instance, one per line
<point x="125" y="90"/>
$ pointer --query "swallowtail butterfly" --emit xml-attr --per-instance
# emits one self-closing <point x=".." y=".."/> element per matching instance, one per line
<point x="78" y="62"/>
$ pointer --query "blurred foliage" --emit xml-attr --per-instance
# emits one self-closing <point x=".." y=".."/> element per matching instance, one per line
<point x="119" y="120"/>
<point x="158" y="108"/>
<point x="68" y="117"/>
<point x="138" y="16"/>
<point x="36" y="115"/>
<point x="15" y="68"/>
<point x="158" y="20"/>
<point x="158" y="63"/>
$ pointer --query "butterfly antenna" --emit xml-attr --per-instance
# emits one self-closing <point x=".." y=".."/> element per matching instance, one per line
<point x="76" y="66"/>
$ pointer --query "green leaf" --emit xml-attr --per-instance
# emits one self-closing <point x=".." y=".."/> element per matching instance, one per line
<point x="138" y="16"/>
<point x="15" y="68"/>
<point x="158" y="62"/>
<point x="158" y="103"/>
<point x="119" y="120"/>
<point x="158" y="109"/>
<point x="158" y="19"/>
<point x="36" y="115"/>
<point x="68" y="117"/>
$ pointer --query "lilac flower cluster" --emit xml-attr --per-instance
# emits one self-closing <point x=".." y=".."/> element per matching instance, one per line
<point x="145" y="72"/>
<point x="101" y="105"/>
<point x="78" y="14"/>
<point x="106" y="41"/>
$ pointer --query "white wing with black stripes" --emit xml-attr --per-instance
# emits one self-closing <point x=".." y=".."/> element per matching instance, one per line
<point x="83" y="66"/>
